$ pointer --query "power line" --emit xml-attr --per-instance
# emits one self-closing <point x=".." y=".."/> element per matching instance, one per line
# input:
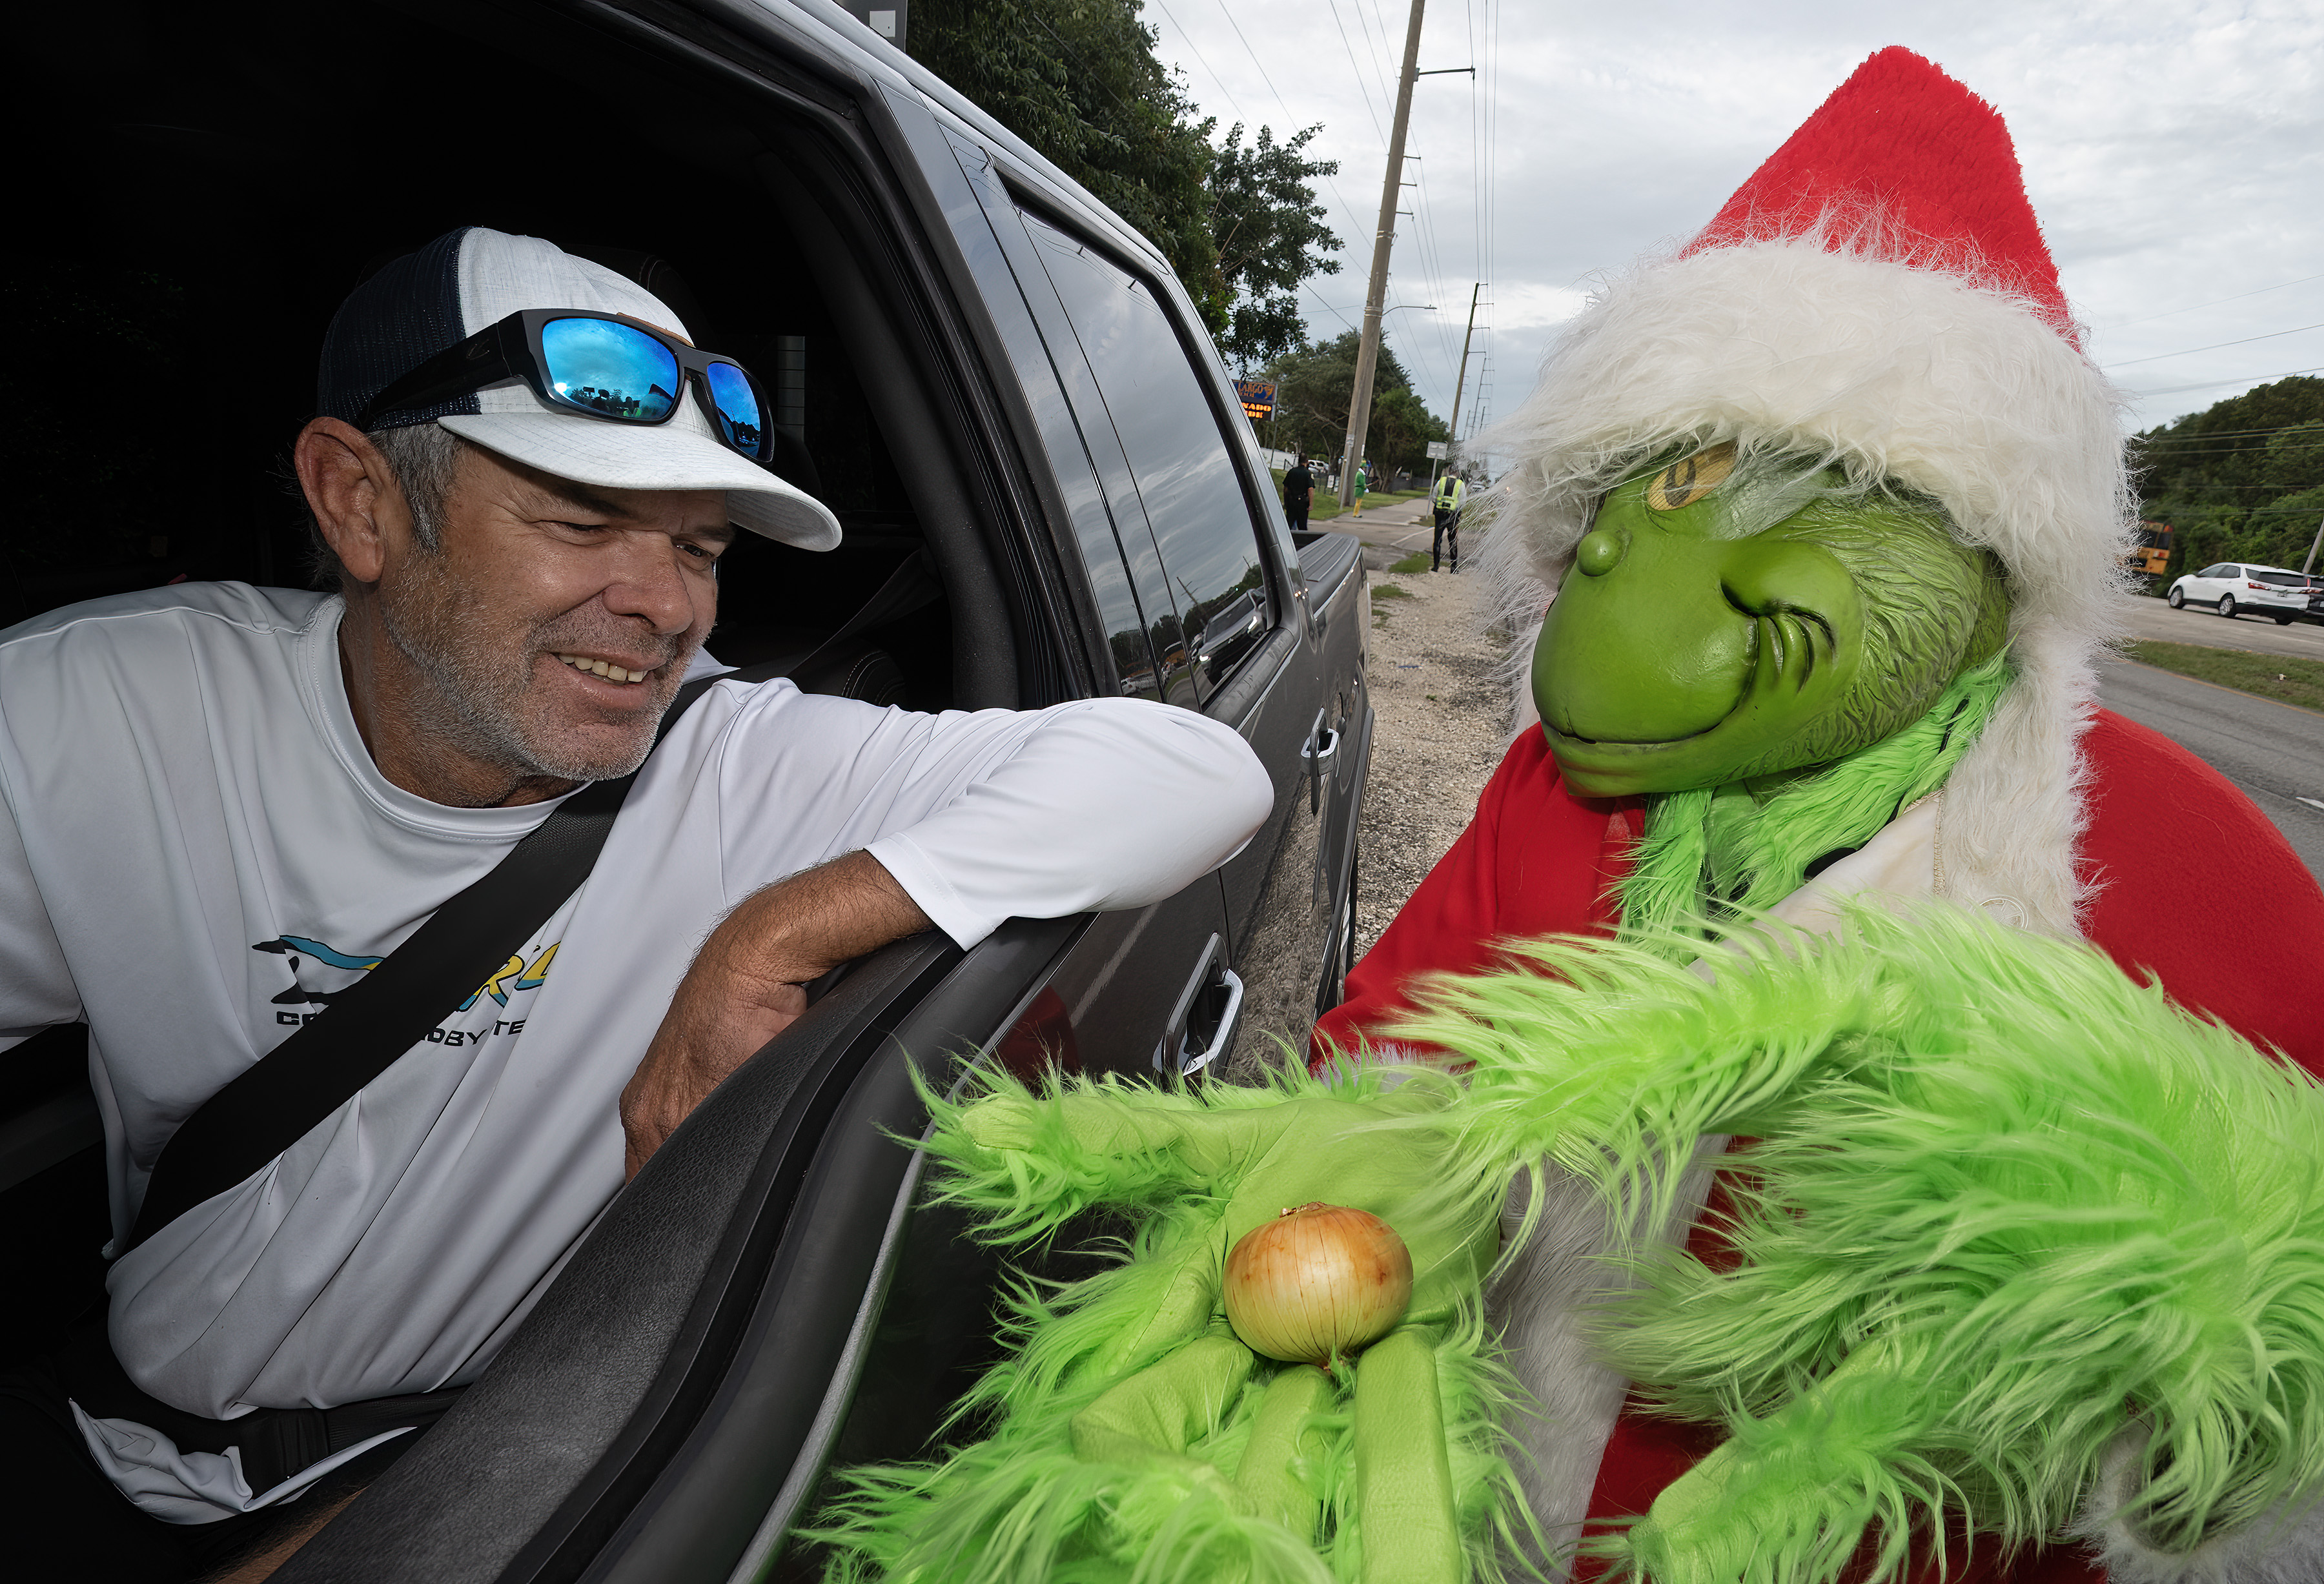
<point x="2306" y="513"/>
<point x="2175" y="453"/>
<point x="2215" y="385"/>
<point x="1476" y="147"/>
<point x="2198" y="488"/>
<point x="1423" y="230"/>
<point x="1078" y="56"/>
<point x="1387" y="94"/>
<point x="1189" y="39"/>
<point x="1362" y="86"/>
<point x="2175" y="441"/>
<point x="1253" y="54"/>
<point x="2214" y="302"/>
<point x="1328" y="309"/>
<point x="1354" y="218"/>
<point x="2215" y="346"/>
<point x="1489" y="268"/>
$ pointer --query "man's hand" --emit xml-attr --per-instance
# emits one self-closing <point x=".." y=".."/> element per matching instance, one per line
<point x="746" y="986"/>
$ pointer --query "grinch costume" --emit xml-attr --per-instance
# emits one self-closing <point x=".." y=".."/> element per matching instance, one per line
<point x="1834" y="505"/>
<point x="2022" y="1250"/>
<point x="1819" y="842"/>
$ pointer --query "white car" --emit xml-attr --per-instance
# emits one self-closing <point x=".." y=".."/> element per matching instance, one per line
<point x="2235" y="586"/>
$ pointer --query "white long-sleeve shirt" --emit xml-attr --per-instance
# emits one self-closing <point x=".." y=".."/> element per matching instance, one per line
<point x="196" y="850"/>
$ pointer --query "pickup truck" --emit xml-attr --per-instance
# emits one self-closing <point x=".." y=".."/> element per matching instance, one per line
<point x="1049" y="491"/>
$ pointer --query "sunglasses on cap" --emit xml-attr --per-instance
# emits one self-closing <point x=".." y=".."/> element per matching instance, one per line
<point x="600" y="365"/>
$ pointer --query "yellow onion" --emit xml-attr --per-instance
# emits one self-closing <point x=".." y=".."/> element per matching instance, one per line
<point x="1317" y="1282"/>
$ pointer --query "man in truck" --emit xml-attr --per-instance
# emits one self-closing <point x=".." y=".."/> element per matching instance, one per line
<point x="222" y="806"/>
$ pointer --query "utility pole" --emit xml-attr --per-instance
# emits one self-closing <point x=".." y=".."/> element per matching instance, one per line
<point x="2317" y="544"/>
<point x="1359" y="403"/>
<point x="1460" y="384"/>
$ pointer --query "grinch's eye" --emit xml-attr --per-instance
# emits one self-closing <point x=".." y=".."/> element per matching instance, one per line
<point x="1683" y="484"/>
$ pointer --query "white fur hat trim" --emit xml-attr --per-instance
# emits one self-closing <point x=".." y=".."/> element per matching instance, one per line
<point x="1822" y="344"/>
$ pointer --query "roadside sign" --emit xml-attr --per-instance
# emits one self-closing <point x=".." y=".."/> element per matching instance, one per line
<point x="1438" y="450"/>
<point x="1258" y="399"/>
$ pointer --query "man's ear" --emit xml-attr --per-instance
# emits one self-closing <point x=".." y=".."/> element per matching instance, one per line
<point x="353" y="493"/>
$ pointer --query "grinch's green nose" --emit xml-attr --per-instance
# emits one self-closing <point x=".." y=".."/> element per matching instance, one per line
<point x="1601" y="551"/>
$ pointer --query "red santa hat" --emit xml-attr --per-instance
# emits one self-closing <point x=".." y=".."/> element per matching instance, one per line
<point x="1878" y="292"/>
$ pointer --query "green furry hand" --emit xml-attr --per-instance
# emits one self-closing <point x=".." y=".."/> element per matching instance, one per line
<point x="1137" y="1437"/>
<point x="1119" y="1144"/>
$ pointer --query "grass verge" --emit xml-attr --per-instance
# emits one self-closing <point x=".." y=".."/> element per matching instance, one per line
<point x="1388" y="590"/>
<point x="1416" y="562"/>
<point x="2281" y="677"/>
<point x="1325" y="505"/>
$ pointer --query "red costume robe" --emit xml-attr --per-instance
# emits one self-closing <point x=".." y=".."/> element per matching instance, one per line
<point x="2195" y="889"/>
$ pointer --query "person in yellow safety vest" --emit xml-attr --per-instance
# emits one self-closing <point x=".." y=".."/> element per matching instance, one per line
<point x="1451" y="496"/>
<point x="1364" y="482"/>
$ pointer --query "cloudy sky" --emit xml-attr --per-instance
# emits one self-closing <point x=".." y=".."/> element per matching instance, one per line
<point x="2173" y="151"/>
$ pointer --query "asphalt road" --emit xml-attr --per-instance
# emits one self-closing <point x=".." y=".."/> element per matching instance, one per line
<point x="2200" y="624"/>
<point x="1407" y="525"/>
<point x="2272" y="750"/>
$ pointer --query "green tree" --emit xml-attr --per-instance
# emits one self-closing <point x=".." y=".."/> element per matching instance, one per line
<point x="1401" y="429"/>
<point x="1271" y="236"/>
<point x="1313" y="384"/>
<point x="1079" y="81"/>
<point x="2238" y="481"/>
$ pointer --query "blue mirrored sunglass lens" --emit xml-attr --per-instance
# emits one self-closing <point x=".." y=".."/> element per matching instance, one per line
<point x="610" y="368"/>
<point x="738" y="408"/>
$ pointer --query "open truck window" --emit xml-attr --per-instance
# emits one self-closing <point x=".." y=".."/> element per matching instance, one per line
<point x="1044" y="495"/>
<point x="202" y="197"/>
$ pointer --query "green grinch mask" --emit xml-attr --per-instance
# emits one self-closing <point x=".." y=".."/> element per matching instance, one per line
<point x="1729" y="616"/>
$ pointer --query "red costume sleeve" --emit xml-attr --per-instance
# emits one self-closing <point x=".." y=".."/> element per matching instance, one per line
<point x="1536" y="860"/>
<point x="2196" y="889"/>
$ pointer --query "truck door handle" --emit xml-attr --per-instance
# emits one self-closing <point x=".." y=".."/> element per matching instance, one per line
<point x="1322" y="746"/>
<point x="1202" y="1026"/>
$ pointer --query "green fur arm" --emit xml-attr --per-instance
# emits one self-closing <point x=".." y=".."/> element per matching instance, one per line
<point x="1026" y="1163"/>
<point x="1791" y="1497"/>
<point x="1611" y="1060"/>
<point x="2007" y="1202"/>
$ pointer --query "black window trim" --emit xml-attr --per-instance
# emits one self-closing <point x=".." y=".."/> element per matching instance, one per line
<point x="1202" y="360"/>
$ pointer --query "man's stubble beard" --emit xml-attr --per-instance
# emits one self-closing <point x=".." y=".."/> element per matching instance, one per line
<point x="477" y="701"/>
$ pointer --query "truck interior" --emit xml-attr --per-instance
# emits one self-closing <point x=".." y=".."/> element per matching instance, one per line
<point x="196" y="198"/>
<point x="201" y="198"/>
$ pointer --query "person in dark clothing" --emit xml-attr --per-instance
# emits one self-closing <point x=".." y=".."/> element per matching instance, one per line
<point x="1298" y="489"/>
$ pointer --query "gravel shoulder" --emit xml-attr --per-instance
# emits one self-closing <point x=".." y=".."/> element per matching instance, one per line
<point x="1441" y="729"/>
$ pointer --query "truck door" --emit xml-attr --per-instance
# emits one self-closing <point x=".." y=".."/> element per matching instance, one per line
<point x="1209" y="565"/>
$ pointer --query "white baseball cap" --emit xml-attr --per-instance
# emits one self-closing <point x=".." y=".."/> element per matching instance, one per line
<point x="465" y="280"/>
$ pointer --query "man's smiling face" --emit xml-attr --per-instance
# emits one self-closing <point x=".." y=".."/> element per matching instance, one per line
<point x="553" y="623"/>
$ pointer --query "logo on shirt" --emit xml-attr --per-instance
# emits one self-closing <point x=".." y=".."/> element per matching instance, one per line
<point x="515" y="974"/>
<point x="322" y="973"/>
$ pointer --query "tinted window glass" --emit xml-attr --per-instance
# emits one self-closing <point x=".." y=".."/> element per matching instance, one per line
<point x="2281" y="579"/>
<point x="1185" y="475"/>
<point x="1125" y="626"/>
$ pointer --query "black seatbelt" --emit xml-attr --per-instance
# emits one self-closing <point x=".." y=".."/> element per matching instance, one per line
<point x="276" y="1101"/>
